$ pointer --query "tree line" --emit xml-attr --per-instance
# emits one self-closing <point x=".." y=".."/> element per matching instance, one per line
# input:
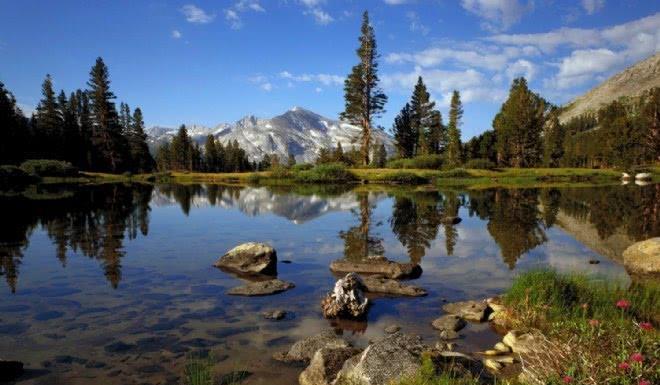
<point x="84" y="128"/>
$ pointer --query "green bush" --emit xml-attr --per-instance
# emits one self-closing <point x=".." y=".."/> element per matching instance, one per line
<point x="49" y="167"/>
<point x="326" y="173"/>
<point x="405" y="177"/>
<point x="431" y="162"/>
<point x="302" y="167"/>
<point x="455" y="173"/>
<point x="11" y="176"/>
<point x="280" y="172"/>
<point x="253" y="178"/>
<point x="480" y="164"/>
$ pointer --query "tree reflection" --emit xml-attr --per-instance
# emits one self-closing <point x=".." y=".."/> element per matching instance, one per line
<point x="359" y="243"/>
<point x="93" y="220"/>
<point x="415" y="220"/>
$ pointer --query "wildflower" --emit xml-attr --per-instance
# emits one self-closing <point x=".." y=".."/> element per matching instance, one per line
<point x="644" y="382"/>
<point x="624" y="366"/>
<point x="637" y="357"/>
<point x="622" y="304"/>
<point x="646" y="325"/>
<point x="568" y="379"/>
<point x="594" y="322"/>
<point x="584" y="306"/>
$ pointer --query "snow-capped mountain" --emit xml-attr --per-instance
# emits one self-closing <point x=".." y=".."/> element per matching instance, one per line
<point x="297" y="131"/>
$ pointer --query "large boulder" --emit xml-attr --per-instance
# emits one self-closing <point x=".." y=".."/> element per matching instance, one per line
<point x="325" y="365"/>
<point x="643" y="258"/>
<point x="259" y="288"/>
<point x="382" y="285"/>
<point x="449" y="322"/>
<point x="469" y="310"/>
<point x="524" y="343"/>
<point x="303" y="350"/>
<point x="347" y="299"/>
<point x="10" y="370"/>
<point x="249" y="258"/>
<point x="385" y="361"/>
<point x="377" y="265"/>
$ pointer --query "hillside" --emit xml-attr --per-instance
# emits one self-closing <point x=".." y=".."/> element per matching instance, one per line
<point x="631" y="82"/>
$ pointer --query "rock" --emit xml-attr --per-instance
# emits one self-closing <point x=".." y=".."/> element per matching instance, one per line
<point x="643" y="176"/>
<point x="594" y="262"/>
<point x="449" y="322"/>
<point x="504" y="359"/>
<point x="625" y="176"/>
<point x="259" y="288"/>
<point x="274" y="315"/>
<point x="304" y="350"/>
<point x="495" y="304"/>
<point x="523" y="343"/>
<point x="456" y="355"/>
<point x="643" y="258"/>
<point x="451" y="220"/>
<point x="501" y="347"/>
<point x="391" y="329"/>
<point x="492" y="352"/>
<point x="325" y="365"/>
<point x="492" y="364"/>
<point x="347" y="299"/>
<point x="10" y="370"/>
<point x="385" y="361"/>
<point x="382" y="285"/>
<point x="250" y="258"/>
<point x="378" y="266"/>
<point x="470" y="310"/>
<point x="449" y="335"/>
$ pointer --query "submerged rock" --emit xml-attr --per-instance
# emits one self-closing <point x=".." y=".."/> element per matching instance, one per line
<point x="10" y="370"/>
<point x="391" y="329"/>
<point x="260" y="288"/>
<point x="346" y="299"/>
<point x="303" y="350"/>
<point x="250" y="258"/>
<point x="382" y="285"/>
<point x="325" y="365"/>
<point x="450" y="322"/>
<point x="385" y="361"/>
<point x="470" y="310"/>
<point x="378" y="266"/>
<point x="643" y="258"/>
<point x="275" y="314"/>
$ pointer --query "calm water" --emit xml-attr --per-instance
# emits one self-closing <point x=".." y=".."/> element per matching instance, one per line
<point x="114" y="283"/>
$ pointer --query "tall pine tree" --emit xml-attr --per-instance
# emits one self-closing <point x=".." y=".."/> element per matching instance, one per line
<point x="453" y="152"/>
<point x="437" y="139"/>
<point x="141" y="159"/>
<point x="48" y="122"/>
<point x="13" y="129"/>
<point x="404" y="136"/>
<point x="553" y="141"/>
<point x="364" y="100"/>
<point x="421" y="107"/>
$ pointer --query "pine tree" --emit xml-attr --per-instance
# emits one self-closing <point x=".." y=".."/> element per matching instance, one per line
<point x="85" y="130"/>
<point x="291" y="160"/>
<point x="13" y="129"/>
<point x="338" y="154"/>
<point x="553" y="141"/>
<point x="364" y="99"/>
<point x="107" y="138"/>
<point x="125" y="118"/>
<point x="48" y="121"/>
<point x="453" y="152"/>
<point x="421" y="108"/>
<point x="437" y="138"/>
<point x="518" y="127"/>
<point x="650" y="123"/>
<point x="164" y="157"/>
<point x="210" y="154"/>
<point x="141" y="159"/>
<point x="404" y="136"/>
<point x="380" y="155"/>
<point x="181" y="150"/>
<point x="71" y="129"/>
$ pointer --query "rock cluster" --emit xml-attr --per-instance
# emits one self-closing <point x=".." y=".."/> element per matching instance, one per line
<point x="347" y="299"/>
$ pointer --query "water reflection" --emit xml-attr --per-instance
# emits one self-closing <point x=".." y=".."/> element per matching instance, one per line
<point x="96" y="220"/>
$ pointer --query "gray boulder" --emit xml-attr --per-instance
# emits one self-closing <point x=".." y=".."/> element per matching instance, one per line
<point x="303" y="350"/>
<point x="377" y="265"/>
<point x="249" y="258"/>
<point x="469" y="310"/>
<point x="385" y="361"/>
<point x="253" y="289"/>
<point x="382" y="285"/>
<point x="450" y="322"/>
<point x="643" y="258"/>
<point x="325" y="365"/>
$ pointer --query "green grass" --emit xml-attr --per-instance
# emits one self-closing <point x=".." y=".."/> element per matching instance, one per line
<point x="580" y="314"/>
<point x="198" y="370"/>
<point x="428" y="375"/>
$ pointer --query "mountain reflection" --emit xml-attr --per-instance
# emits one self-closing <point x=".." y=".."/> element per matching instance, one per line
<point x="95" y="221"/>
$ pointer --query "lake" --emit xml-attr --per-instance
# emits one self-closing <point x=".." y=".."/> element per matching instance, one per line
<point x="114" y="283"/>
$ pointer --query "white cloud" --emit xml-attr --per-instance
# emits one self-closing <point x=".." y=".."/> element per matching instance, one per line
<point x="592" y="6"/>
<point x="318" y="90"/>
<point x="416" y="24"/>
<point x="176" y="34"/>
<point x="325" y="79"/>
<point x="313" y="8"/>
<point x="196" y="15"/>
<point x="267" y="87"/>
<point x="233" y="14"/>
<point x="233" y="19"/>
<point x="583" y="65"/>
<point x="521" y="67"/>
<point x="396" y="2"/>
<point x="497" y="14"/>
<point x="246" y="5"/>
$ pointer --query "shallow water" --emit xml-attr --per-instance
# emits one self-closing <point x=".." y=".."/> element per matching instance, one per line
<point x="114" y="283"/>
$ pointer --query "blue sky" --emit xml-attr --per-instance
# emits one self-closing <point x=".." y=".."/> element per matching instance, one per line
<point x="208" y="62"/>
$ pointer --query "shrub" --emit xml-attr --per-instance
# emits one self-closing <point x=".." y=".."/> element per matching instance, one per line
<point x="280" y="172"/>
<point x="405" y="177"/>
<point x="326" y="173"/>
<point x="455" y="173"/>
<point x="302" y="167"/>
<point x="480" y="164"/>
<point x="49" y="167"/>
<point x="11" y="176"/>
<point x="432" y="162"/>
<point x="253" y="178"/>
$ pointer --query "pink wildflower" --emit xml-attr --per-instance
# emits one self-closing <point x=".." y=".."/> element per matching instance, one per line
<point x="644" y="382"/>
<point x="624" y="366"/>
<point x="637" y="357"/>
<point x="623" y="304"/>
<point x="646" y="325"/>
<point x="567" y="379"/>
<point x="594" y="322"/>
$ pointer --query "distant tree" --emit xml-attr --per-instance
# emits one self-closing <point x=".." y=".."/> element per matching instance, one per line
<point x="421" y="108"/>
<point x="210" y="154"/>
<point x="164" y="157"/>
<point x="85" y="150"/>
<point x="325" y="156"/>
<point x="650" y="123"/>
<point x="181" y="150"/>
<point x="48" y="121"/>
<point x="363" y="98"/>
<point x="125" y="118"/>
<point x="141" y="159"/>
<point x="519" y="125"/>
<point x="338" y="154"/>
<point x="437" y="135"/>
<point x="291" y="160"/>
<point x="380" y="155"/>
<point x="453" y="152"/>
<point x="404" y="136"/>
<point x="13" y="129"/>
<point x="553" y="140"/>
<point x="71" y="128"/>
<point x="107" y="139"/>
